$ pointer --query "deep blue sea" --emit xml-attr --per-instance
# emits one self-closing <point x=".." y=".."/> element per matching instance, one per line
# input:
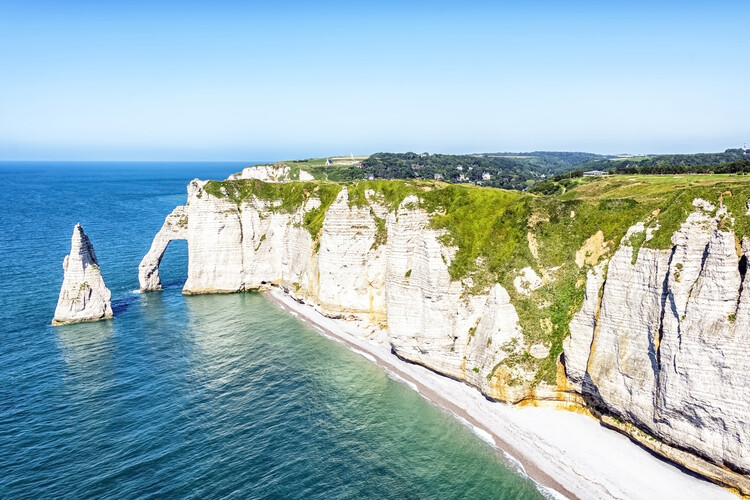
<point x="192" y="397"/>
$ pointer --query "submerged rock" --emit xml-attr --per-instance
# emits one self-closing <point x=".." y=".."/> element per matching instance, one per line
<point x="83" y="295"/>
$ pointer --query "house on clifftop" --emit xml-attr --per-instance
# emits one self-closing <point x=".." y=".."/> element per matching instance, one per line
<point x="594" y="173"/>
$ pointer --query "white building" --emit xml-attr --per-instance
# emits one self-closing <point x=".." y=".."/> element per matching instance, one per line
<point x="594" y="173"/>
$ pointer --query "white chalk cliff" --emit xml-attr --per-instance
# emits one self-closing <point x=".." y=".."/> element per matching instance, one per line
<point x="660" y="348"/>
<point x="271" y="173"/>
<point x="83" y="295"/>
<point x="665" y="347"/>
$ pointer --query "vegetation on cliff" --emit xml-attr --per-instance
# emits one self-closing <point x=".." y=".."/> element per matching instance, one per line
<point x="542" y="172"/>
<point x="497" y="233"/>
<point x="504" y="170"/>
<point x="729" y="161"/>
<point x="283" y="197"/>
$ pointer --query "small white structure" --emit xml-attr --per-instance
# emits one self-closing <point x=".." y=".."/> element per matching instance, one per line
<point x="438" y="177"/>
<point x="594" y="173"/>
<point x="486" y="176"/>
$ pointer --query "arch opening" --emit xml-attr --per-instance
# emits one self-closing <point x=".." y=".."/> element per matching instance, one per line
<point x="174" y="264"/>
<point x="174" y="228"/>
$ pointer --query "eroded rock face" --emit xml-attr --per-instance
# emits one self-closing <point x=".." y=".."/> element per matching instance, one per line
<point x="270" y="173"/>
<point x="352" y="261"/>
<point x="668" y="350"/>
<point x="83" y="295"/>
<point x="661" y="341"/>
<point x="577" y="347"/>
<point x="432" y="321"/>
<point x="368" y="263"/>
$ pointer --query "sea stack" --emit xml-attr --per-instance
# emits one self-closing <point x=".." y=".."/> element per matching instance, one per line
<point x="83" y="296"/>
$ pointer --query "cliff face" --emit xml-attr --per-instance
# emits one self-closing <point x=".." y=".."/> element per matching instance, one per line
<point x="383" y="266"/>
<point x="665" y="347"/>
<point x="658" y="347"/>
<point x="83" y="295"/>
<point x="433" y="321"/>
<point x="272" y="173"/>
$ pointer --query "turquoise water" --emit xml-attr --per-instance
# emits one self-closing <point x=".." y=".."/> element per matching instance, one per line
<point x="193" y="397"/>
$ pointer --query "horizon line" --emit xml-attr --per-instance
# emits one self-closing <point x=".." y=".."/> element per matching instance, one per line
<point x="346" y="155"/>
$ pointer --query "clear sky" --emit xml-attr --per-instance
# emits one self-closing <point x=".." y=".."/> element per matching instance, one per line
<point x="226" y="80"/>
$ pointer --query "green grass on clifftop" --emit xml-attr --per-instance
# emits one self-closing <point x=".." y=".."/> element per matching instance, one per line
<point x="497" y="233"/>
<point x="290" y="196"/>
<point x="672" y="196"/>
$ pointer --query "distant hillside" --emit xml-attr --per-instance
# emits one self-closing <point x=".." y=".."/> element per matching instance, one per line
<point x="503" y="170"/>
<point x="671" y="164"/>
<point x="537" y="171"/>
<point x="552" y="162"/>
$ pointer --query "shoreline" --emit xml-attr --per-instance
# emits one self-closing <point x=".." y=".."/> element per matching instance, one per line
<point x="567" y="454"/>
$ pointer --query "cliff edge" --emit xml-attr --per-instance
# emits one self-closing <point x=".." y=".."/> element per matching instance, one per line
<point x="624" y="299"/>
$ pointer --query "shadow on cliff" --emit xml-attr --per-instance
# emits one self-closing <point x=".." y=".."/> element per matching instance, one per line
<point x="595" y="402"/>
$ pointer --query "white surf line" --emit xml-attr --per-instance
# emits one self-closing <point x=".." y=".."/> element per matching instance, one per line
<point x="516" y="464"/>
<point x="514" y="461"/>
<point x="568" y="453"/>
<point x="364" y="355"/>
<point x="442" y="401"/>
<point x="402" y="380"/>
<point x="335" y="339"/>
<point x="549" y="493"/>
<point x="483" y="435"/>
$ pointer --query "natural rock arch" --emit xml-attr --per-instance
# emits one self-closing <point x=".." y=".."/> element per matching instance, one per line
<point x="174" y="228"/>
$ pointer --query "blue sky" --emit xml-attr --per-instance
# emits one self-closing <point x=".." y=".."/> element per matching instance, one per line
<point x="221" y="80"/>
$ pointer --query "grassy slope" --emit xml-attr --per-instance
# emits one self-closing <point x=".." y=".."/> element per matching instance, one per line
<point x="317" y="167"/>
<point x="292" y="195"/>
<point x="490" y="227"/>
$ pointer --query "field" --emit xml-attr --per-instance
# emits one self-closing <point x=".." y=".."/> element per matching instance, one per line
<point x="669" y="198"/>
<point x="339" y="170"/>
<point x="617" y="186"/>
<point x="630" y="158"/>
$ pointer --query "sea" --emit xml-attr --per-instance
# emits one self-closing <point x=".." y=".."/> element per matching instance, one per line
<point x="215" y="396"/>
